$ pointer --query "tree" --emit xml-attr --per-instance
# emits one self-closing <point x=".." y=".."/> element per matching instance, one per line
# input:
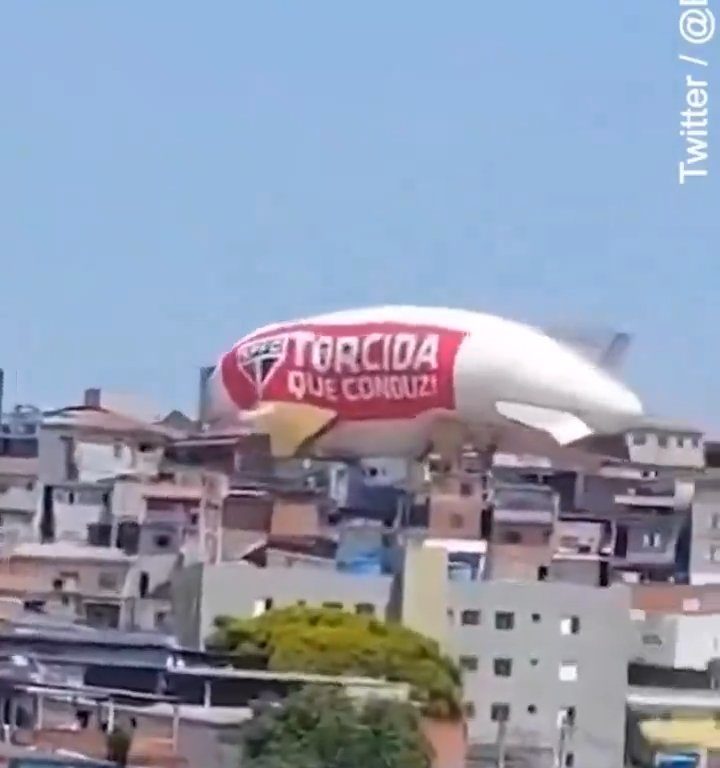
<point x="329" y="641"/>
<point x="118" y="746"/>
<point x="321" y="726"/>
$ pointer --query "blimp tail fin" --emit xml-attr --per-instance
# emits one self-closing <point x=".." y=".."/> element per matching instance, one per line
<point x="563" y="427"/>
<point x="288" y="425"/>
<point x="607" y="350"/>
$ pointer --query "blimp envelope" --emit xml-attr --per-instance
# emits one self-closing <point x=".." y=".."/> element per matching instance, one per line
<point x="393" y="380"/>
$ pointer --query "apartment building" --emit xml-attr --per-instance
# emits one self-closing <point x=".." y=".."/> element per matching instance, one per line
<point x="544" y="663"/>
<point x="19" y="497"/>
<point x="520" y="530"/>
<point x="78" y="581"/>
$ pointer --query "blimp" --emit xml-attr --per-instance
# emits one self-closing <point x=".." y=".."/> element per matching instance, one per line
<point x="403" y="380"/>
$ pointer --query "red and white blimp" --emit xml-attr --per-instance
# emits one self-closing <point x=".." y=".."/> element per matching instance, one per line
<point x="398" y="380"/>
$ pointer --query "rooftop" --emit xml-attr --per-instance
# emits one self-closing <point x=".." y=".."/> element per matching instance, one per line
<point x="65" y="550"/>
<point x="676" y="598"/>
<point x="93" y="419"/>
<point x="18" y="467"/>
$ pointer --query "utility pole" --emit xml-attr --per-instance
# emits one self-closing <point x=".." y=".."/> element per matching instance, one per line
<point x="501" y="740"/>
<point x="566" y="723"/>
<point x="561" y="744"/>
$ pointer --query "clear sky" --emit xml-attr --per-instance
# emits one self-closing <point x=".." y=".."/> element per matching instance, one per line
<point x="175" y="174"/>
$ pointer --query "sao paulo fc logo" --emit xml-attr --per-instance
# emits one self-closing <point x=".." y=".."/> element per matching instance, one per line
<point x="259" y="360"/>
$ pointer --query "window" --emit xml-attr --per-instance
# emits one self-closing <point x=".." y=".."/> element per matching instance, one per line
<point x="570" y="625"/>
<point x="504" y="620"/>
<point x="715" y="521"/>
<point x="652" y="540"/>
<point x="569" y="760"/>
<point x="470" y="618"/>
<point x="500" y="713"/>
<point x="194" y="517"/>
<point x="715" y="554"/>
<point x="536" y="618"/>
<point x="456" y="521"/>
<point x="568" y="671"/>
<point x="161" y="618"/>
<point x="162" y="541"/>
<point x="365" y="609"/>
<point x="651" y="640"/>
<point x="502" y="667"/>
<point x="89" y="496"/>
<point x="107" y="580"/>
<point x="466" y="489"/>
<point x="333" y="606"/>
<point x="469" y="663"/>
<point x="117" y="450"/>
<point x="469" y="710"/>
<point x="533" y="662"/>
<point x="566" y="716"/>
<point x="67" y="581"/>
<point x="143" y="584"/>
<point x="663" y="441"/>
<point x="512" y="537"/>
<point x="532" y="709"/>
<point x="639" y="438"/>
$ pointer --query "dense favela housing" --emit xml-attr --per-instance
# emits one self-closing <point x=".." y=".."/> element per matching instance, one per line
<point x="162" y="578"/>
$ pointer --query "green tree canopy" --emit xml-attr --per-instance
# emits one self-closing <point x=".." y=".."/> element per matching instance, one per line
<point x="331" y="642"/>
<point x="320" y="726"/>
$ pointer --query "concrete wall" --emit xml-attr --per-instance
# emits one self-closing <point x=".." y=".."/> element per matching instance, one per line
<point x="654" y="638"/>
<point x="186" y="592"/>
<point x="676" y="640"/>
<point x="698" y="640"/>
<point x="666" y="449"/>
<point x="705" y="542"/>
<point x="52" y="456"/>
<point x="91" y="576"/>
<point x="424" y="591"/>
<point x="537" y="648"/>
<point x="240" y="589"/>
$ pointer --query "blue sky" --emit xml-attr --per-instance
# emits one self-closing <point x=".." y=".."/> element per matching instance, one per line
<point x="176" y="174"/>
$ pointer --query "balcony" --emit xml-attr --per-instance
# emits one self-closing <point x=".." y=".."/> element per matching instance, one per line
<point x="526" y="504"/>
